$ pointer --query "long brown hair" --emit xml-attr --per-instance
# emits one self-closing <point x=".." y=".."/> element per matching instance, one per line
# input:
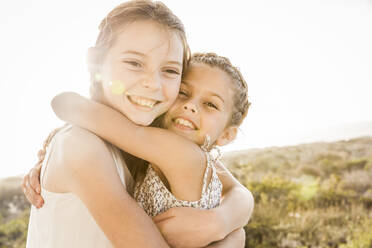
<point x="114" y="23"/>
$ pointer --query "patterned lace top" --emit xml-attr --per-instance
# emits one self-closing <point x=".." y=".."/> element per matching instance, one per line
<point x="155" y="198"/>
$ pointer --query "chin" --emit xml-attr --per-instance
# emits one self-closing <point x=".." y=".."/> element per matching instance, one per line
<point x="143" y="121"/>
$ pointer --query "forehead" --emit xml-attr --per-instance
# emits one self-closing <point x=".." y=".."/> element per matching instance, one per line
<point x="209" y="78"/>
<point x="150" y="38"/>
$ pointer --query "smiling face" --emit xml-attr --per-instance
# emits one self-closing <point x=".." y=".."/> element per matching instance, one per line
<point x="204" y="104"/>
<point x="141" y="72"/>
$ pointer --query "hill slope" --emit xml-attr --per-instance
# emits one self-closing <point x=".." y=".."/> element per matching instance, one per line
<point x="310" y="195"/>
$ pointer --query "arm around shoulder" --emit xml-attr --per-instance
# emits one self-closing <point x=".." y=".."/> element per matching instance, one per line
<point x="149" y="143"/>
<point x="237" y="204"/>
<point x="94" y="179"/>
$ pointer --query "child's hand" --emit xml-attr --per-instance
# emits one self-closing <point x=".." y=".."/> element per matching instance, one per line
<point x="188" y="227"/>
<point x="31" y="183"/>
<point x="235" y="239"/>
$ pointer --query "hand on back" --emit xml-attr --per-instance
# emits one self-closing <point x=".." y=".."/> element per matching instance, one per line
<point x="31" y="182"/>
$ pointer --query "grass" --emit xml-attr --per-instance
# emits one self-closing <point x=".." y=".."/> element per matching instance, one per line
<point x="308" y="196"/>
<point x="313" y="195"/>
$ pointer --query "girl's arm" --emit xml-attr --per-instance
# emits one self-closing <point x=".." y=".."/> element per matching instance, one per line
<point x="185" y="163"/>
<point x="199" y="227"/>
<point x="237" y="203"/>
<point x="31" y="184"/>
<point x="178" y="224"/>
<point x="82" y="164"/>
<point x="235" y="239"/>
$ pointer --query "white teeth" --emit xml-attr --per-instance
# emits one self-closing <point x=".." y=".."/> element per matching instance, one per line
<point x="184" y="123"/>
<point x="143" y="101"/>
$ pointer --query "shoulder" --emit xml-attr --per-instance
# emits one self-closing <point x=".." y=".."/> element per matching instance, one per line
<point x="78" y="135"/>
<point x="77" y="151"/>
<point x="78" y="144"/>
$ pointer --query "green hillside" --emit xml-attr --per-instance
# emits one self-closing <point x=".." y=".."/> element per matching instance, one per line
<point x="14" y="213"/>
<point x="312" y="195"/>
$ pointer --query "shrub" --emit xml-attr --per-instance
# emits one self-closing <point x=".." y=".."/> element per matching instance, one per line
<point x="356" y="164"/>
<point x="357" y="180"/>
<point x="13" y="234"/>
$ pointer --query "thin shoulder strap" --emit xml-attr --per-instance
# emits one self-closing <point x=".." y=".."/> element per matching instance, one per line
<point x="209" y="165"/>
<point x="206" y="149"/>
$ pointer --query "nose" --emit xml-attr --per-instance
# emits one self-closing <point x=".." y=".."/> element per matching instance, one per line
<point x="152" y="81"/>
<point x="189" y="106"/>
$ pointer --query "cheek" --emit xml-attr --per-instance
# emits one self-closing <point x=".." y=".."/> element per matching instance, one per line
<point x="116" y="71"/>
<point x="215" y="124"/>
<point x="172" y="110"/>
<point x="126" y="77"/>
<point x="110" y="97"/>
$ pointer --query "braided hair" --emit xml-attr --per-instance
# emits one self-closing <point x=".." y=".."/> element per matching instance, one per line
<point x="239" y="85"/>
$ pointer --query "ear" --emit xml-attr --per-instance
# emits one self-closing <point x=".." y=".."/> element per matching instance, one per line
<point x="93" y="59"/>
<point x="227" y="136"/>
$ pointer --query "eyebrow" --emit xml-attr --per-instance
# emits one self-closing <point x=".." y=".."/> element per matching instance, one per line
<point x="135" y="53"/>
<point x="212" y="94"/>
<point x="174" y="62"/>
<point x="144" y="55"/>
<point x="216" y="95"/>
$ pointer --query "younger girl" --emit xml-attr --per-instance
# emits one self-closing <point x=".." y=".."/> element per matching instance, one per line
<point x="211" y="104"/>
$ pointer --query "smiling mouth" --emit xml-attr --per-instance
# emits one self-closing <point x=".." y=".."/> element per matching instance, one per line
<point x="184" y="124"/>
<point x="142" y="101"/>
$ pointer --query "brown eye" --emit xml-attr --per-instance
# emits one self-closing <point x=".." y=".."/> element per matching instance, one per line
<point x="172" y="72"/>
<point x="133" y="63"/>
<point x="211" y="105"/>
<point x="182" y="93"/>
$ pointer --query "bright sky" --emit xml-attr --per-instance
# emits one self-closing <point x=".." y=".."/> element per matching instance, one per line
<point x="308" y="64"/>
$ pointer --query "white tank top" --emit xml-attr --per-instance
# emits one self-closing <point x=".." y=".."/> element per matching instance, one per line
<point x="64" y="221"/>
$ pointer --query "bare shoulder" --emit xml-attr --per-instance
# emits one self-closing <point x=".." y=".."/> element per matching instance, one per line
<point x="78" y="144"/>
<point x="75" y="153"/>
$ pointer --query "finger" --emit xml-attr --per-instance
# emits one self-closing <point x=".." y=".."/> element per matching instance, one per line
<point x="41" y="152"/>
<point x="41" y="158"/>
<point x="41" y="155"/>
<point x="34" y="180"/>
<point x="38" y="166"/>
<point x="34" y="198"/>
<point x="26" y="192"/>
<point x="163" y="216"/>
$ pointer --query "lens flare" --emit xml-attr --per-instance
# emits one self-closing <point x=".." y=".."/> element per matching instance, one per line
<point x="98" y="77"/>
<point x="117" y="87"/>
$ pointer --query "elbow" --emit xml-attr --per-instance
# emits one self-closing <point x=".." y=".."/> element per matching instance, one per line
<point x="248" y="203"/>
<point x="58" y="104"/>
<point x="62" y="104"/>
